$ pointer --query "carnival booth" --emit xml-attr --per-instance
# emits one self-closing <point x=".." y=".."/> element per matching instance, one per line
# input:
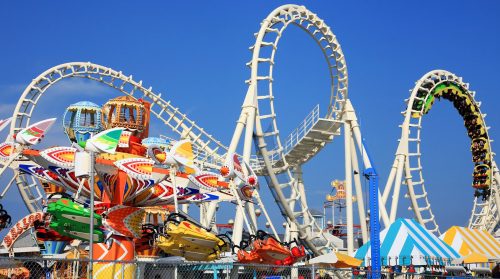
<point x="478" y="248"/>
<point x="406" y="244"/>
<point x="335" y="259"/>
<point x="472" y="243"/>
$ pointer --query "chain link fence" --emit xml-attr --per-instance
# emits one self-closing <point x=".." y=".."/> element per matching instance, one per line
<point x="17" y="268"/>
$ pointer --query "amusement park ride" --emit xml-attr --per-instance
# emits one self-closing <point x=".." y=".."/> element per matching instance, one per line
<point x="119" y="190"/>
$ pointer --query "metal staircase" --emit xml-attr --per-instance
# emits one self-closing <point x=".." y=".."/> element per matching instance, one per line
<point x="302" y="144"/>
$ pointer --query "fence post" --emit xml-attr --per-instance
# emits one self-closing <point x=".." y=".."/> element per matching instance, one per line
<point x="234" y="272"/>
<point x="313" y="272"/>
<point x="137" y="270"/>
<point x="214" y="268"/>
<point x="294" y="272"/>
<point x="254" y="274"/>
<point x="46" y="269"/>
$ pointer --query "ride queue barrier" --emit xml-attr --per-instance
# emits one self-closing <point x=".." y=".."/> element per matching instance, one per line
<point x="56" y="268"/>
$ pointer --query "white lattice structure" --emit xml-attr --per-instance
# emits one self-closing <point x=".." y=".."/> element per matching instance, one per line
<point x="285" y="158"/>
<point x="280" y="161"/>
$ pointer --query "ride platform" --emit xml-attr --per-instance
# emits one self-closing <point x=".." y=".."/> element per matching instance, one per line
<point x="303" y="143"/>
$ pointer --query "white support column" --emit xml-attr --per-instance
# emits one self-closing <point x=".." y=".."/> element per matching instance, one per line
<point x="397" y="187"/>
<point x="323" y="224"/>
<point x="390" y="181"/>
<point x="238" y="225"/>
<point x="303" y="198"/>
<point x="294" y="232"/>
<point x="496" y="176"/>
<point x="350" y="115"/>
<point x="211" y="210"/>
<point x="359" y="193"/>
<point x="173" y="174"/>
<point x="247" y="119"/>
<point x="240" y="124"/>
<point x="185" y="208"/>
<point x="348" y="187"/>
<point x="250" y="211"/>
<point x="247" y="151"/>
<point x="333" y="213"/>
<point x="356" y="133"/>
<point x="291" y="231"/>
<point x="286" y="237"/>
<point x="203" y="214"/>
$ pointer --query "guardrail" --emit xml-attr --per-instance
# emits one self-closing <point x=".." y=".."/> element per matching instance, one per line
<point x="176" y="267"/>
<point x="291" y="141"/>
<point x="257" y="162"/>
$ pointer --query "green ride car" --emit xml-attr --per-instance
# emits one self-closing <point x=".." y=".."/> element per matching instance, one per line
<point x="73" y="220"/>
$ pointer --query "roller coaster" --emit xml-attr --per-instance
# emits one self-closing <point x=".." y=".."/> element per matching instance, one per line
<point x="198" y="168"/>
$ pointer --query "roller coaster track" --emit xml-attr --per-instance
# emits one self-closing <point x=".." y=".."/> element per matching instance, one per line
<point x="258" y="109"/>
<point x="212" y="150"/>
<point x="485" y="214"/>
<point x="280" y="161"/>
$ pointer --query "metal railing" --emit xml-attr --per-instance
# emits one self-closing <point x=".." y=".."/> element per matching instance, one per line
<point x="301" y="131"/>
<point x="175" y="267"/>
<point x="257" y="162"/>
<point x="291" y="141"/>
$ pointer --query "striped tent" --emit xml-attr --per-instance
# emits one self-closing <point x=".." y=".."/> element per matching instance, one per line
<point x="406" y="242"/>
<point x="467" y="241"/>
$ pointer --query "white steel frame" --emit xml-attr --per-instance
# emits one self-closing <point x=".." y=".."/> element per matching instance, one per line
<point x="258" y="111"/>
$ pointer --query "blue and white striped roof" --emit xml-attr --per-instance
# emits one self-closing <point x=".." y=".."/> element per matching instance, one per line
<point x="406" y="242"/>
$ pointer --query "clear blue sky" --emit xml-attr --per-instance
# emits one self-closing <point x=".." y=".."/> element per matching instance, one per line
<point x="195" y="54"/>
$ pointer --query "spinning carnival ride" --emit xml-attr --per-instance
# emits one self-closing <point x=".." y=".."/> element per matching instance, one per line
<point x="113" y="162"/>
<point x="135" y="172"/>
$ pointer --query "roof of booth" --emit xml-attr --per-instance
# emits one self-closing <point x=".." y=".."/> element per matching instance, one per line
<point x="407" y="242"/>
<point x="467" y="241"/>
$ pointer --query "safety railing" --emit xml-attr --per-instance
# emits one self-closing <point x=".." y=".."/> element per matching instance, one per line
<point x="302" y="130"/>
<point x="291" y="141"/>
<point x="175" y="267"/>
<point x="255" y="161"/>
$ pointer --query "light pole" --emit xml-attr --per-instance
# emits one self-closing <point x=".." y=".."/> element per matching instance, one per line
<point x="333" y="213"/>
<point x="103" y="142"/>
<point x="173" y="173"/>
<point x="91" y="186"/>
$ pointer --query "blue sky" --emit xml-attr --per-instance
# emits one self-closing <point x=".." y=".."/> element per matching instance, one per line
<point x="195" y="54"/>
